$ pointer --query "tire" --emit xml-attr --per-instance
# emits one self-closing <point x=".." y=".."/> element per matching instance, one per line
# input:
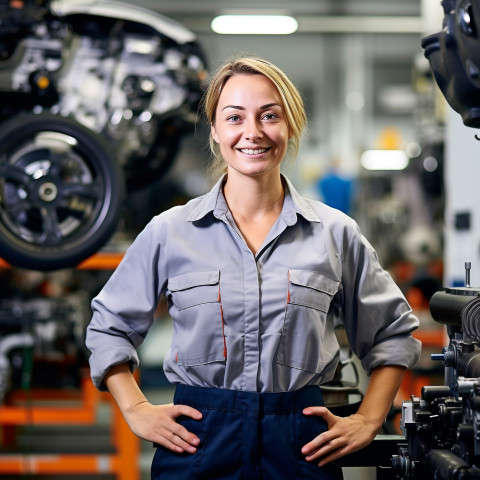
<point x="61" y="192"/>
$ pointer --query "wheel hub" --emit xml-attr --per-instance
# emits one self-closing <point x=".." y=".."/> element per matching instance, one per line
<point x="48" y="192"/>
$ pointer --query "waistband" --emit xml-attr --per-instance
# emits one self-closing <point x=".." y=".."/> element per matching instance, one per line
<point x="268" y="403"/>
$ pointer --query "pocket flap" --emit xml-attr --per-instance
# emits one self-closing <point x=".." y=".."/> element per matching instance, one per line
<point x="314" y="280"/>
<point x="195" y="279"/>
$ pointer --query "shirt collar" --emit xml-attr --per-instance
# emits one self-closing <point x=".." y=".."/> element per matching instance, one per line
<point x="213" y="201"/>
<point x="293" y="205"/>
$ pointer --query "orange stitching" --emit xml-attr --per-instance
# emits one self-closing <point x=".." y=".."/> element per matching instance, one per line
<point x="223" y="325"/>
<point x="288" y="288"/>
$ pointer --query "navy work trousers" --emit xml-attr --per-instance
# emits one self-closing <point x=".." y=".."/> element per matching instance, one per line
<point x="246" y="436"/>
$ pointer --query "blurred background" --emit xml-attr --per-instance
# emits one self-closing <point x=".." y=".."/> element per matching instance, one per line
<point x="369" y="94"/>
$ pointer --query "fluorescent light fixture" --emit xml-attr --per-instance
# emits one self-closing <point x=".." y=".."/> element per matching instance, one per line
<point x="254" y="24"/>
<point x="384" y="160"/>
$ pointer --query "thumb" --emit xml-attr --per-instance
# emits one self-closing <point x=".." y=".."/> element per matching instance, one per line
<point x="187" y="411"/>
<point x="323" y="412"/>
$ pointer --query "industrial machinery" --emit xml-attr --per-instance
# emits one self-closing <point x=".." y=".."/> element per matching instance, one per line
<point x="95" y="97"/>
<point x="49" y="407"/>
<point x="454" y="57"/>
<point x="42" y="342"/>
<point x="442" y="426"/>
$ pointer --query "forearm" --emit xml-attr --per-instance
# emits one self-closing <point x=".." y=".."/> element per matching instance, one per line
<point x="123" y="387"/>
<point x="382" y="388"/>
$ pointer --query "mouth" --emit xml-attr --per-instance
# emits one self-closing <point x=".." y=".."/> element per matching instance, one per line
<point x="253" y="151"/>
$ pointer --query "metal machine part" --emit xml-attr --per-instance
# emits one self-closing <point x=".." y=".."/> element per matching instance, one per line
<point x="7" y="344"/>
<point x="95" y="97"/>
<point x="42" y="341"/>
<point x="442" y="426"/>
<point x="454" y="58"/>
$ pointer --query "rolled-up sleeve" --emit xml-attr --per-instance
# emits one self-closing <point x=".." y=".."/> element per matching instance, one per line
<point x="124" y="310"/>
<point x="378" y="320"/>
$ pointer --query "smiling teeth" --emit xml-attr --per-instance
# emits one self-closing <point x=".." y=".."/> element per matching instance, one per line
<point x="251" y="151"/>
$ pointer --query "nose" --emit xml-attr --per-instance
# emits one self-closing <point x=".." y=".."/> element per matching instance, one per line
<point x="253" y="129"/>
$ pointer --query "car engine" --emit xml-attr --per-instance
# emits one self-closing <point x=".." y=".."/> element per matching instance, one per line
<point x="94" y="100"/>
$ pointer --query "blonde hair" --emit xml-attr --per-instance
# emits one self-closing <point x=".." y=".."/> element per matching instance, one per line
<point x="292" y="102"/>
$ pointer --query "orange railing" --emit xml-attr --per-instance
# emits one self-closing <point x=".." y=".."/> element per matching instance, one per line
<point x="78" y="408"/>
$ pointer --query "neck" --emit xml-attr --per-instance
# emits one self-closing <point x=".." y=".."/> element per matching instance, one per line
<point x="251" y="196"/>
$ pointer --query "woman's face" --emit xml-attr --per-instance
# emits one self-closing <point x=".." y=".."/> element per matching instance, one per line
<point x="250" y="126"/>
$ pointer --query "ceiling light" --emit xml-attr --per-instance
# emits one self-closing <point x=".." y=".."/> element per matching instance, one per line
<point x="384" y="160"/>
<point x="254" y="24"/>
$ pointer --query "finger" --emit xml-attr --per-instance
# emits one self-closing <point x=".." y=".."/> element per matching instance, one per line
<point x="315" y="411"/>
<point x="323" y="412"/>
<point x="185" y="410"/>
<point x="330" y="451"/>
<point x="162" y="441"/>
<point x="179" y="438"/>
<point x="182" y="433"/>
<point x="335" y="455"/>
<point x="320" y="452"/>
<point x="319" y="441"/>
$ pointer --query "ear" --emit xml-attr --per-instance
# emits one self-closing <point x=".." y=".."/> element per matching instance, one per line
<point x="214" y="133"/>
<point x="290" y="133"/>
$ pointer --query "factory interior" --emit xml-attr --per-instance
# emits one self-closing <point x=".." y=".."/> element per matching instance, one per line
<point x="99" y="104"/>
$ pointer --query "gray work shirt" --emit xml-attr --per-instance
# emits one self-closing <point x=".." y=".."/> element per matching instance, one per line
<point x="261" y="323"/>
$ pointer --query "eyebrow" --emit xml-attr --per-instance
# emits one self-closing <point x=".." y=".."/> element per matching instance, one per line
<point x="263" y="107"/>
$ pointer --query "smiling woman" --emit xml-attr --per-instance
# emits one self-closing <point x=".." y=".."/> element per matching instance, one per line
<point x="256" y="277"/>
<point x="251" y="126"/>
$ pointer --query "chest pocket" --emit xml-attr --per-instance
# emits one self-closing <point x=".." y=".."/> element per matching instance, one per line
<point x="198" y="337"/>
<point x="307" y="342"/>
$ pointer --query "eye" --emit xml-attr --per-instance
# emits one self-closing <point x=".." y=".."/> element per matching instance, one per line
<point x="270" y="116"/>
<point x="233" y="118"/>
